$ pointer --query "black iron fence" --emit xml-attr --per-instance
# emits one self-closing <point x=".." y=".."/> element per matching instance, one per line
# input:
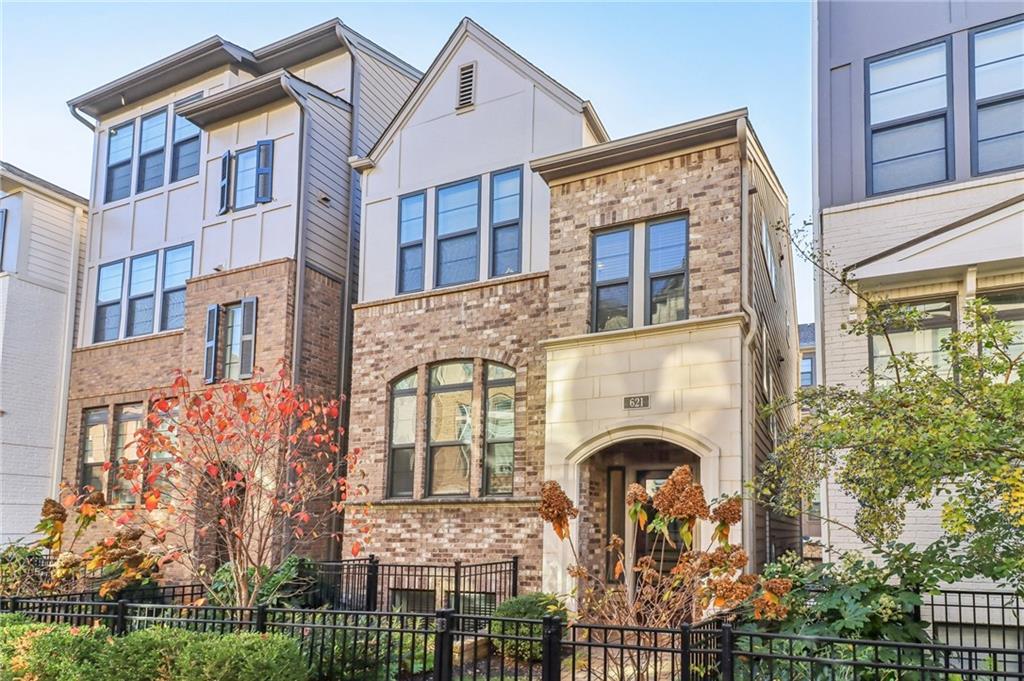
<point x="447" y="646"/>
<point x="370" y="585"/>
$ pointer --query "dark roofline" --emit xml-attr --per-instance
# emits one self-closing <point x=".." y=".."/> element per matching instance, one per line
<point x="30" y="179"/>
<point x="644" y="145"/>
<point x="994" y="208"/>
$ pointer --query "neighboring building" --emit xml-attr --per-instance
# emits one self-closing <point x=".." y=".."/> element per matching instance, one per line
<point x="538" y="302"/>
<point x="42" y="228"/>
<point x="223" y="225"/>
<point x="811" y="519"/>
<point x="919" y="136"/>
<point x="808" y="371"/>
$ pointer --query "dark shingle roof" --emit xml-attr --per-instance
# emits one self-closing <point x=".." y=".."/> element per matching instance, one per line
<point x="806" y="334"/>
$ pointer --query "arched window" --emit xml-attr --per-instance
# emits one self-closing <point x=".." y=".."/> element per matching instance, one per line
<point x="451" y="428"/>
<point x="403" y="435"/>
<point x="499" y="446"/>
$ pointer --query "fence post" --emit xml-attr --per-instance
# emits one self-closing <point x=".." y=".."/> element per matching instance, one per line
<point x="687" y="652"/>
<point x="14" y="604"/>
<point x="121" y="618"/>
<point x="457" y="601"/>
<point x="515" y="576"/>
<point x="551" y="648"/>
<point x="726" y="660"/>
<point x="261" y="618"/>
<point x="443" y="642"/>
<point x="372" y="579"/>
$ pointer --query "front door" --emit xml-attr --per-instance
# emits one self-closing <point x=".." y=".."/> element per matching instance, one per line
<point x="647" y="544"/>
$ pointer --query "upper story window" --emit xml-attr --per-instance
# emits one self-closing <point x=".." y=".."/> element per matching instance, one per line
<point x="457" y="228"/>
<point x="451" y="450"/>
<point x="143" y="299"/>
<point x="506" y="229"/>
<point x="611" y="275"/>
<point x="245" y="178"/>
<point x="771" y="261"/>
<point x="152" y="139"/>
<point x="997" y="86"/>
<point x="909" y="129"/>
<point x="450" y="404"/>
<point x="412" y="215"/>
<point x="184" y="145"/>
<point x="925" y="342"/>
<point x="120" y="144"/>
<point x="403" y="435"/>
<point x="230" y="349"/>
<point x="807" y="370"/>
<point x="667" y="271"/>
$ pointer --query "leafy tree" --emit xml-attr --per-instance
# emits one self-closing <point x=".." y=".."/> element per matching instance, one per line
<point x="242" y="473"/>
<point x="919" y="435"/>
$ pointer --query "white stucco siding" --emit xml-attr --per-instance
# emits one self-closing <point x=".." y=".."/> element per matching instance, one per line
<point x="858" y="231"/>
<point x="513" y="119"/>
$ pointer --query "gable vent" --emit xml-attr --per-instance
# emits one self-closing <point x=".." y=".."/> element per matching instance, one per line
<point x="467" y="85"/>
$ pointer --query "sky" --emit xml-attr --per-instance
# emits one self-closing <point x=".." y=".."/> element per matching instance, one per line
<point x="644" y="66"/>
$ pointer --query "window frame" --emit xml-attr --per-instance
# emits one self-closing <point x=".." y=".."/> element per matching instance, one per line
<point x="485" y="481"/>
<point x="115" y="456"/>
<point x="946" y="113"/>
<point x="495" y="226"/>
<point x="3" y="236"/>
<point x="649" y="276"/>
<point x="628" y="280"/>
<point x="224" y="343"/>
<point x="973" y="102"/>
<point x="174" y="289"/>
<point x="162" y="151"/>
<point x="429" y="459"/>
<point x="233" y="173"/>
<point x="128" y="297"/>
<point x="175" y="144"/>
<point x="108" y="166"/>
<point x="107" y="449"/>
<point x="422" y="243"/>
<point x="392" y="394"/>
<point x="804" y="357"/>
<point x="438" y="239"/>
<point x="953" y="323"/>
<point x="119" y="302"/>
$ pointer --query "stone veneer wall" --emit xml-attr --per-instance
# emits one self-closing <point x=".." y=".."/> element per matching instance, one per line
<point x="501" y="320"/>
<point x="129" y="371"/>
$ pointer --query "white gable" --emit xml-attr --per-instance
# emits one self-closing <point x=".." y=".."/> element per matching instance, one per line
<point x="991" y="240"/>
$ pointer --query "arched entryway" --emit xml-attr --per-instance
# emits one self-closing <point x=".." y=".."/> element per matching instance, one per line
<point x="604" y="478"/>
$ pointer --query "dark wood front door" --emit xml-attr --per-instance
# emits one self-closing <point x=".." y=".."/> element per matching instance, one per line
<point x="665" y="556"/>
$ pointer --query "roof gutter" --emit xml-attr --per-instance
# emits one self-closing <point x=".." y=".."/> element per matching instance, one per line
<point x="80" y="118"/>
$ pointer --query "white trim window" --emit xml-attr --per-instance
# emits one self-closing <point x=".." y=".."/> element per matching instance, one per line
<point x="997" y="106"/>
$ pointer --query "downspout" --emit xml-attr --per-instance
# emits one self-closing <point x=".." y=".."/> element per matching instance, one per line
<point x="82" y="119"/>
<point x="746" y="362"/>
<point x="300" y="260"/>
<point x="65" y="373"/>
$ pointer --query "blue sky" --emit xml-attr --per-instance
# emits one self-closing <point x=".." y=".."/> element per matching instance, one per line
<point x="643" y="66"/>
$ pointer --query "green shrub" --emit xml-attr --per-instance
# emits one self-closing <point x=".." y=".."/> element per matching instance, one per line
<point x="240" y="657"/>
<point x="62" y="653"/>
<point x="526" y="607"/>
<point x="289" y="585"/>
<point x="376" y="650"/>
<point x="12" y="629"/>
<point x="146" y="655"/>
<point x="8" y="619"/>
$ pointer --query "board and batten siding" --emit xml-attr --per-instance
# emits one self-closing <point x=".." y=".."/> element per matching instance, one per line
<point x="327" y="185"/>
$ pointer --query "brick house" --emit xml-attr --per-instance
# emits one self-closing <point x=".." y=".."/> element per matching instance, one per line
<point x="223" y="224"/>
<point x="538" y="302"/>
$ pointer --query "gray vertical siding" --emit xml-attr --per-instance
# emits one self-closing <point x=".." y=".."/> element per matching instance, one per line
<point x="328" y="175"/>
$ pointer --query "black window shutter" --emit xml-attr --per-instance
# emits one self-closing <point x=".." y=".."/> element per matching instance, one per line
<point x="210" y="352"/>
<point x="248" y="349"/>
<point x="225" y="183"/>
<point x="264" y="170"/>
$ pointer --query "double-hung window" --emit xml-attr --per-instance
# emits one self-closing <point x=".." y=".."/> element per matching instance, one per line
<point x="458" y="227"/>
<point x="177" y="270"/>
<point x="938" y="320"/>
<point x="120" y="145"/>
<point x="245" y="179"/>
<point x="184" y="145"/>
<point x="997" y="87"/>
<point x="1009" y="306"/>
<point x="108" y="302"/>
<point x="450" y="428"/>
<point x="506" y="220"/>
<point x="127" y="421"/>
<point x="499" y="455"/>
<point x="403" y="435"/>
<point x="152" y="139"/>
<point x="909" y="126"/>
<point x="667" y="271"/>
<point x="253" y="180"/>
<point x="236" y="345"/>
<point x="806" y="371"/>
<point x="95" y="448"/>
<point x="611" y="290"/>
<point x="411" y="225"/>
<point x="142" y="294"/>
